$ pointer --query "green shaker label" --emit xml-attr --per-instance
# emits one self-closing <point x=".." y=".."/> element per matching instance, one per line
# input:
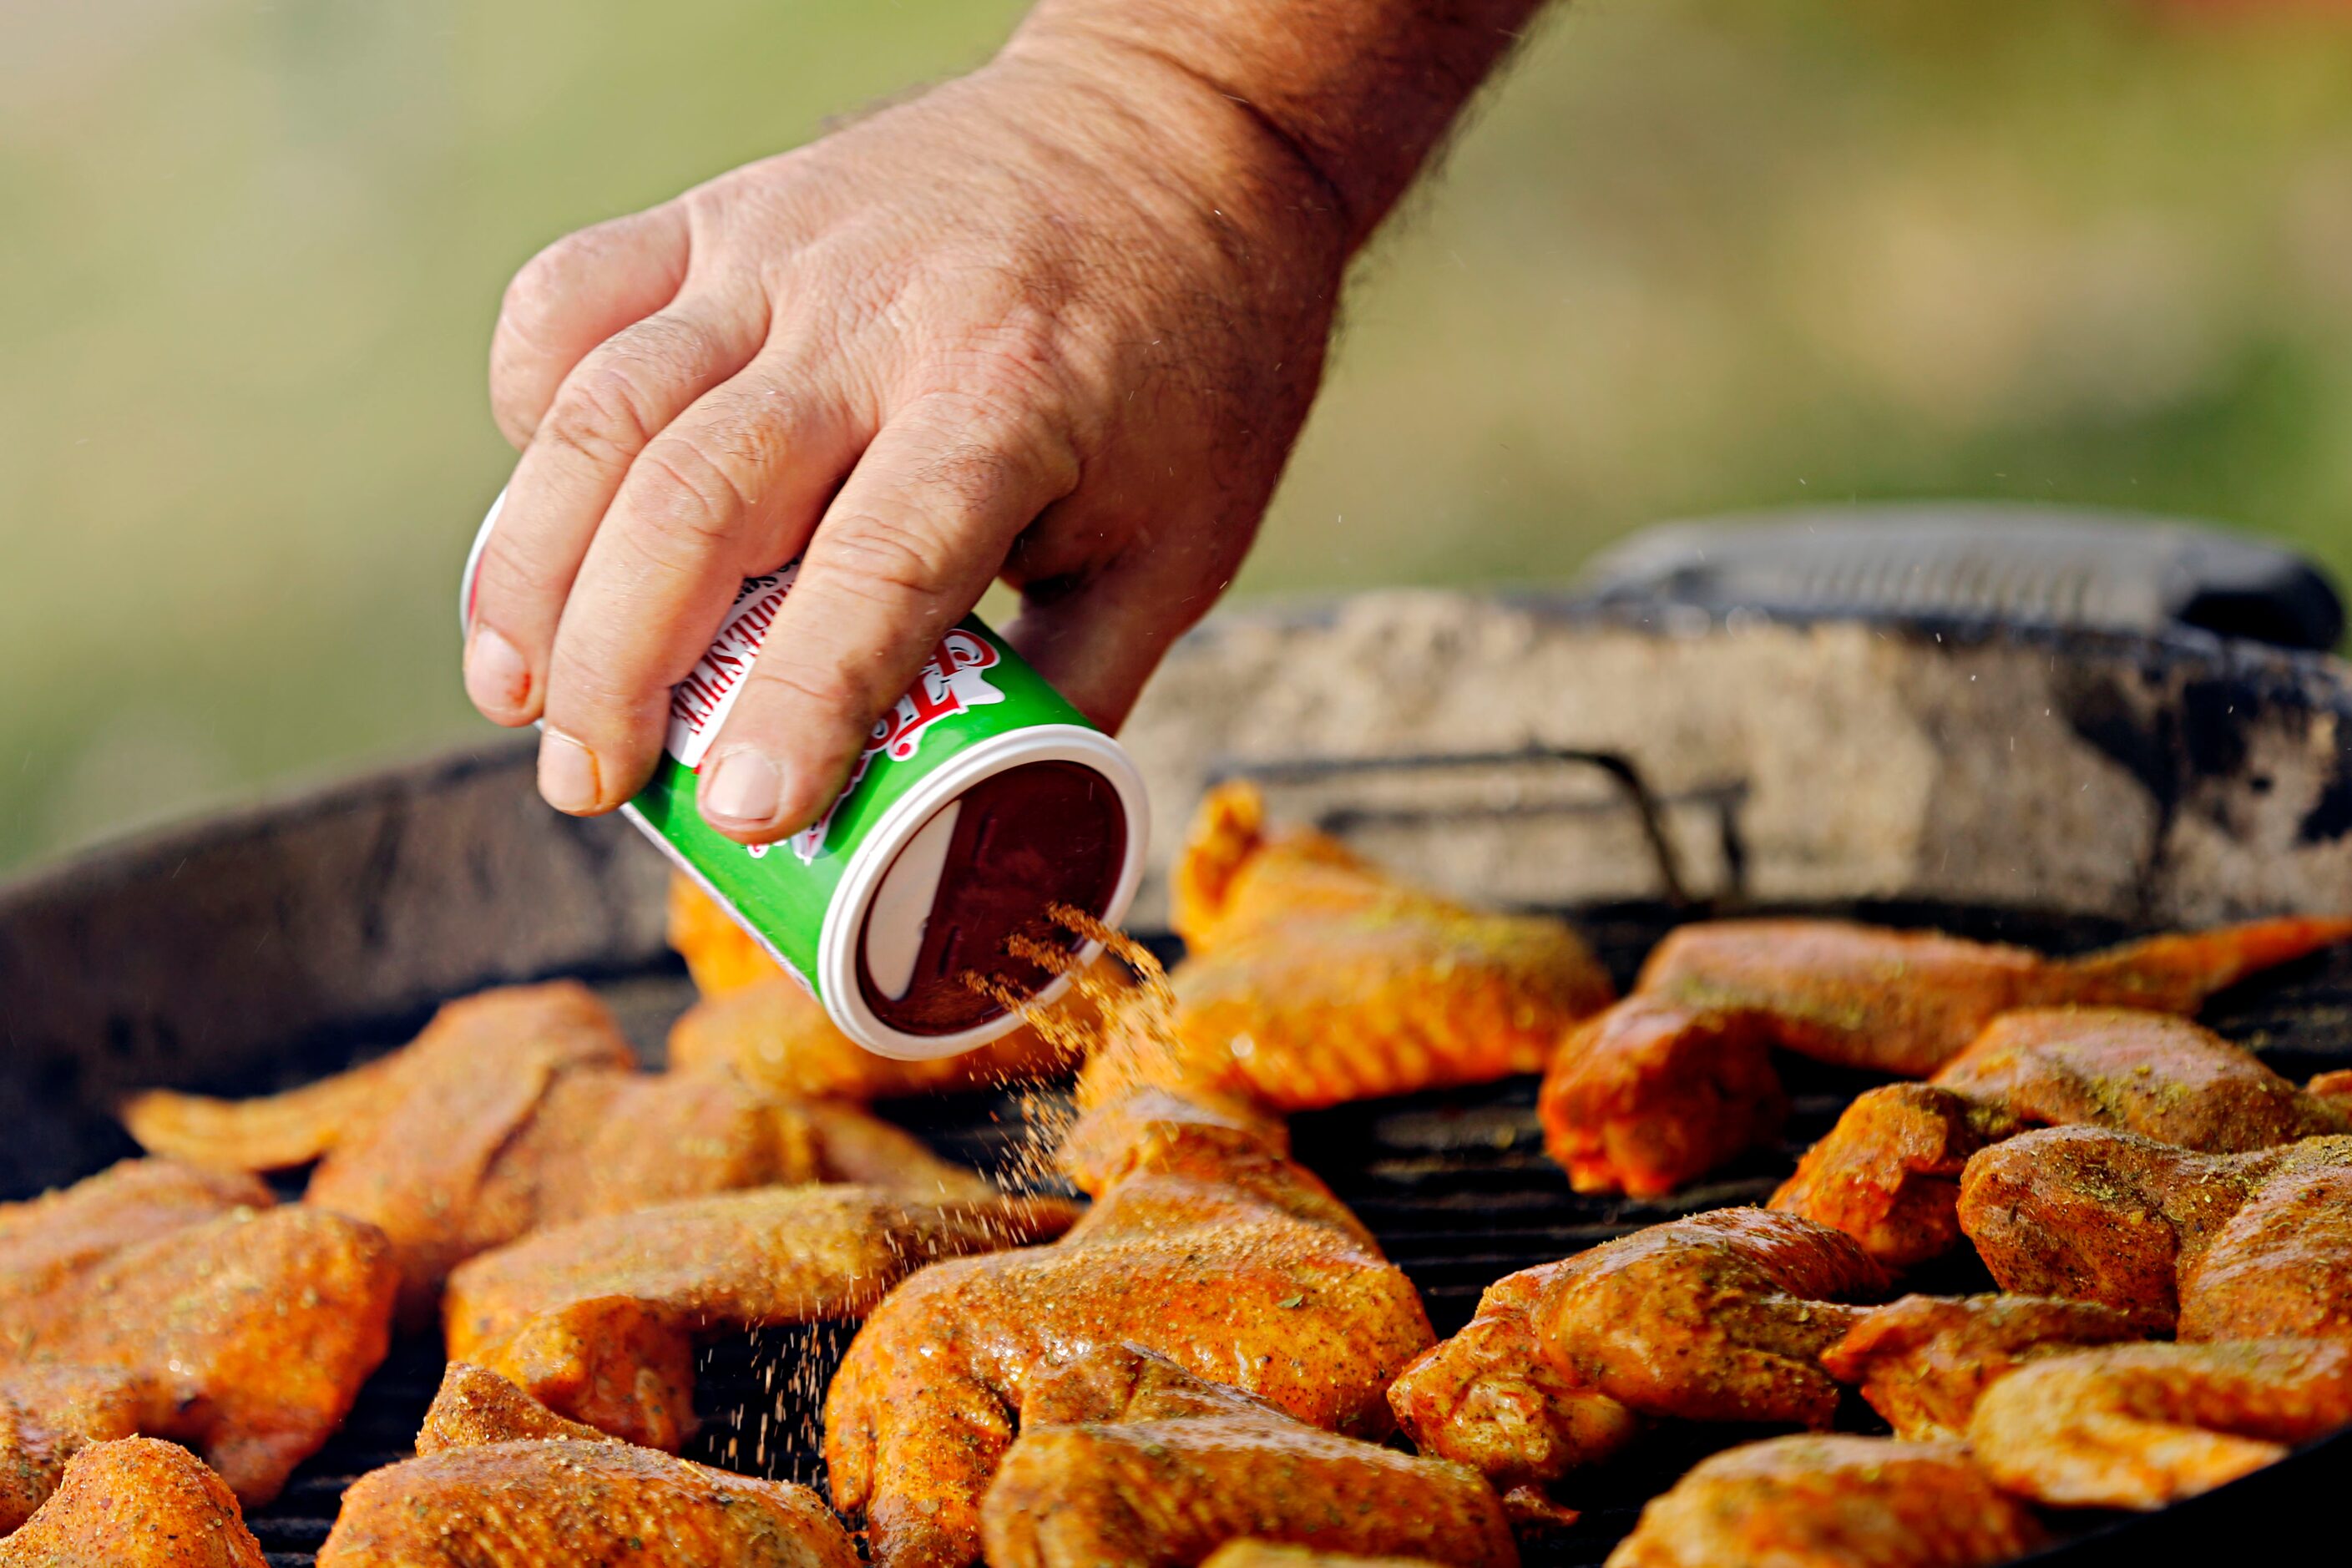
<point x="972" y="688"/>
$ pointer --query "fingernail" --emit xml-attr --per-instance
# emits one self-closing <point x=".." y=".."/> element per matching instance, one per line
<point x="498" y="678"/>
<point x="743" y="791"/>
<point x="567" y="773"/>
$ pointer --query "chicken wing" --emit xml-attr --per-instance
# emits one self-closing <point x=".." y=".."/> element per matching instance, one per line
<point x="1251" y="1553"/>
<point x="553" y="1027"/>
<point x="1907" y="1002"/>
<point x="1924" y="1361"/>
<point x="1719" y="1317"/>
<point x="2142" y="1426"/>
<point x="520" y="1108"/>
<point x="47" y="1240"/>
<point x="2280" y="1268"/>
<point x="257" y="1326"/>
<point x="474" y="1406"/>
<point x="1887" y="1173"/>
<point x="598" y="1319"/>
<point x="135" y="1503"/>
<point x="1666" y="1083"/>
<point x="2094" y="1216"/>
<point x="48" y="1415"/>
<point x="1204" y="1244"/>
<point x="1315" y="978"/>
<point x="1811" y="1502"/>
<point x="499" y="1480"/>
<point x="1124" y="1457"/>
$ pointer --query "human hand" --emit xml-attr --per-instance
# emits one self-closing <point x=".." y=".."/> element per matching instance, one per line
<point x="1058" y="320"/>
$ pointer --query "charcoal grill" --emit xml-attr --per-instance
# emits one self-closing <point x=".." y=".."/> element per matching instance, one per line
<point x="1627" y="766"/>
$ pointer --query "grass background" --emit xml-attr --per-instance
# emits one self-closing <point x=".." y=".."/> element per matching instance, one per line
<point x="1691" y="254"/>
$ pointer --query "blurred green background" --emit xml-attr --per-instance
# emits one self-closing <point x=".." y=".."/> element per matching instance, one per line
<point x="1695" y="254"/>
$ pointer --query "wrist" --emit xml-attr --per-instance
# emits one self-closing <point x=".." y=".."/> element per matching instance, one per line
<point x="1177" y="126"/>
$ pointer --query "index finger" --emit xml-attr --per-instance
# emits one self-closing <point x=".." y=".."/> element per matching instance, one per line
<point x="904" y="551"/>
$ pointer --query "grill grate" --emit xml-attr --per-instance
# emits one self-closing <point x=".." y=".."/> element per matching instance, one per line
<point x="1458" y="1190"/>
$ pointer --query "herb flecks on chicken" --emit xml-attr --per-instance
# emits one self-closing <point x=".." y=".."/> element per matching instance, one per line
<point x="1817" y="1501"/>
<point x="1315" y="978"/>
<point x="599" y="1319"/>
<point x="1681" y="1081"/>
<point x="1124" y="1457"/>
<point x="1205" y="1243"/>
<point x="1889" y="1173"/>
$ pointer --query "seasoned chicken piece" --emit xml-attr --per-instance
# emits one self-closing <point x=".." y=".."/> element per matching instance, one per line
<point x="473" y="1407"/>
<point x="48" y="1415"/>
<point x="1126" y="1458"/>
<point x="2281" y="1267"/>
<point x="2142" y="1426"/>
<point x="1315" y="978"/>
<point x="597" y="1319"/>
<point x="1204" y="1244"/>
<point x="1923" y="1362"/>
<point x="516" y="1109"/>
<point x="1717" y="1317"/>
<point x="2094" y="1216"/>
<point x="1908" y="1001"/>
<point x="865" y="1151"/>
<point x="1681" y="1079"/>
<point x="1811" y="1502"/>
<point x="501" y="1482"/>
<point x="1492" y="1398"/>
<point x="135" y="1503"/>
<point x="1887" y="1173"/>
<point x="257" y="1325"/>
<point x="1268" y="1555"/>
<point x="47" y="1240"/>
<point x="1654" y="1093"/>
<point x="552" y="1028"/>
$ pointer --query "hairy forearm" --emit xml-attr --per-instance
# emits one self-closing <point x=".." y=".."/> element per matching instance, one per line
<point x="1359" y="92"/>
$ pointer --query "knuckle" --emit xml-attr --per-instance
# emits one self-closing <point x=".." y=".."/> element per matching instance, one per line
<point x="538" y="293"/>
<point x="510" y="572"/>
<point x="890" y="561"/>
<point x="603" y="415"/>
<point x="685" y="495"/>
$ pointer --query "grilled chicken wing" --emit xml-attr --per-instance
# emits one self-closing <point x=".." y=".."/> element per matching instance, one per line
<point x="135" y="1503"/>
<point x="503" y="1482"/>
<point x="1270" y="1555"/>
<point x="257" y="1325"/>
<point x="598" y="1319"/>
<point x="2094" y="1216"/>
<point x="47" y="1240"/>
<point x="1887" y="1173"/>
<point x="48" y="1415"/>
<point x="473" y="1407"/>
<point x="1315" y="978"/>
<point x="521" y="1109"/>
<point x="1682" y="1081"/>
<point x="2142" y="1426"/>
<point x="1204" y="1244"/>
<point x="552" y="1028"/>
<point x="1924" y="1361"/>
<point x="1719" y="1316"/>
<point x="1813" y="1501"/>
<point x="1126" y="1458"/>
